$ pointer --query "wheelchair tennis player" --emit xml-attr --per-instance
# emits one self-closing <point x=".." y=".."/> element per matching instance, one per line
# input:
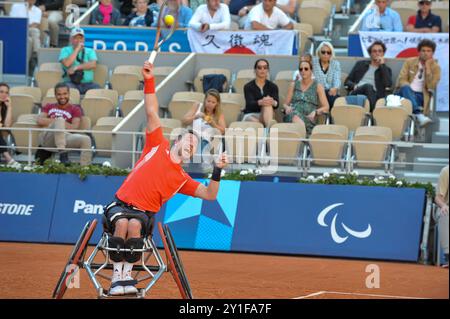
<point x="156" y="178"/>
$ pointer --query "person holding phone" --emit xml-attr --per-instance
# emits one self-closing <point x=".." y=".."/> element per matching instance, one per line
<point x="78" y="63"/>
<point x="6" y="121"/>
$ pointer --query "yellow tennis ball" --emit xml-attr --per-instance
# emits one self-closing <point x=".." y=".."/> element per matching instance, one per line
<point x="169" y="20"/>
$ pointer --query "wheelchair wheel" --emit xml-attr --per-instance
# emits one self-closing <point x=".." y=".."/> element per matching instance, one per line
<point x="76" y="255"/>
<point x="174" y="262"/>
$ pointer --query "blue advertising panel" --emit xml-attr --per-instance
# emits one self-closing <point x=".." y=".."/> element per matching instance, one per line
<point x="289" y="218"/>
<point x="79" y="201"/>
<point x="330" y="220"/>
<point x="26" y="206"/>
<point x="14" y="34"/>
<point x="132" y="39"/>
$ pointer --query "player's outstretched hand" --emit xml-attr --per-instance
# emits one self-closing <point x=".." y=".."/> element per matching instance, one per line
<point x="222" y="161"/>
<point x="147" y="70"/>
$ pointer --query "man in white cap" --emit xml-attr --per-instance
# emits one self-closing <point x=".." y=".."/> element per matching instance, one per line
<point x="78" y="63"/>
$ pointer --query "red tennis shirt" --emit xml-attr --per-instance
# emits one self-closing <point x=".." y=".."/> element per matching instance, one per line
<point x="155" y="178"/>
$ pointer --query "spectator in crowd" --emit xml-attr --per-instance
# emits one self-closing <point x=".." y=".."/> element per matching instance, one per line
<point x="239" y="10"/>
<point x="382" y="18"/>
<point x="441" y="201"/>
<point x="418" y="76"/>
<point x="28" y="9"/>
<point x="267" y="16"/>
<point x="6" y="121"/>
<point x="52" y="15"/>
<point x="371" y="77"/>
<point x="327" y="71"/>
<point x="194" y="4"/>
<point x="304" y="57"/>
<point x="78" y="63"/>
<point x="287" y="6"/>
<point x="63" y="116"/>
<point x="306" y="99"/>
<point x="424" y="21"/>
<point x="184" y="12"/>
<point x="261" y="96"/>
<point x="105" y="14"/>
<point x="142" y="17"/>
<point x="206" y="119"/>
<point x="211" y="16"/>
<point x="127" y="7"/>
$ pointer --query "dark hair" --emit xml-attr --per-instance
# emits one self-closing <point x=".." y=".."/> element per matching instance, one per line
<point x="427" y="43"/>
<point x="188" y="131"/>
<point x="309" y="63"/>
<point x="4" y="84"/>
<point x="378" y="42"/>
<point x="61" y="85"/>
<point x="261" y="60"/>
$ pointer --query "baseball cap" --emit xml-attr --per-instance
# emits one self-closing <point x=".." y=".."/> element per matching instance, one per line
<point x="422" y="1"/>
<point x="76" y="31"/>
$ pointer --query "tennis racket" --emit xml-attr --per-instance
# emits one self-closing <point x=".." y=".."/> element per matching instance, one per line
<point x="164" y="32"/>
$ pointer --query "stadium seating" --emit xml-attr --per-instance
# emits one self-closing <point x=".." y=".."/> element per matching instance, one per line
<point x="369" y="155"/>
<point x="315" y="13"/>
<point x="242" y="78"/>
<point x="285" y="143"/>
<point x="327" y="145"/>
<point x="198" y="81"/>
<point x="168" y="125"/>
<point x="161" y="73"/>
<point x="125" y="78"/>
<point x="104" y="141"/>
<point x="130" y="100"/>
<point x="101" y="75"/>
<point x="48" y="75"/>
<point x="306" y="31"/>
<point x="242" y="140"/>
<point x="232" y="105"/>
<point x="21" y="104"/>
<point x="182" y="102"/>
<point x="27" y="90"/>
<point x="22" y="137"/>
<point x="350" y="116"/>
<point x="99" y="103"/>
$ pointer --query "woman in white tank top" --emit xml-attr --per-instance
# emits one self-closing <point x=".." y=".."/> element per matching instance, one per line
<point x="206" y="119"/>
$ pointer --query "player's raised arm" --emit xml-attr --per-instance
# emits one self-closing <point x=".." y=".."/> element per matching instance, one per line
<point x="150" y="100"/>
<point x="210" y="192"/>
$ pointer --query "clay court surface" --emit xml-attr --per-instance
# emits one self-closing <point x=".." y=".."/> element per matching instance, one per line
<point x="32" y="270"/>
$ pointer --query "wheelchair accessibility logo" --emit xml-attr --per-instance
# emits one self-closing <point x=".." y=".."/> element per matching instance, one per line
<point x="334" y="234"/>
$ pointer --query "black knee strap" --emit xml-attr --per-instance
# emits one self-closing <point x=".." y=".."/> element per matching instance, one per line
<point x="133" y="243"/>
<point x="116" y="243"/>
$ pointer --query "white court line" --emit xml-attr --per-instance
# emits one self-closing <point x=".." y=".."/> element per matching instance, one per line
<point x="312" y="295"/>
<point x="355" y="294"/>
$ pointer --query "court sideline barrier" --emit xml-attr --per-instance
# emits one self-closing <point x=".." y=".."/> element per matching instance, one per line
<point x="299" y="219"/>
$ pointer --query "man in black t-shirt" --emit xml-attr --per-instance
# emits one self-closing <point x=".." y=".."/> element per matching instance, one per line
<point x="239" y="10"/>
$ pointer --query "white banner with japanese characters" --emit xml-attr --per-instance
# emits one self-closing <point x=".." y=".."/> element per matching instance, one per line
<point x="404" y="45"/>
<point x="276" y="42"/>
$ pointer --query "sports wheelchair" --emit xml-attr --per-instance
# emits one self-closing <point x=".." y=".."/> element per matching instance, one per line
<point x="152" y="273"/>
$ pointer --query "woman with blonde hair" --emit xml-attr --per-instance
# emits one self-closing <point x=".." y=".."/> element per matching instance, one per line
<point x="206" y="119"/>
<point x="327" y="71"/>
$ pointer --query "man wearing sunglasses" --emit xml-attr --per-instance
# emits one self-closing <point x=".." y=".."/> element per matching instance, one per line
<point x="418" y="77"/>
<point x="424" y="21"/>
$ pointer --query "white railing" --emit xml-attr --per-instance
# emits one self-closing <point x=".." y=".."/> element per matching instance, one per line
<point x="355" y="25"/>
<point x="347" y="158"/>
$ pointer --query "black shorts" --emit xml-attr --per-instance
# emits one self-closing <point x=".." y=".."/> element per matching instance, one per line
<point x="120" y="210"/>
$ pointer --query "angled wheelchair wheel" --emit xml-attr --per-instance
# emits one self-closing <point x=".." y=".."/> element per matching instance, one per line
<point x="174" y="262"/>
<point x="77" y="254"/>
